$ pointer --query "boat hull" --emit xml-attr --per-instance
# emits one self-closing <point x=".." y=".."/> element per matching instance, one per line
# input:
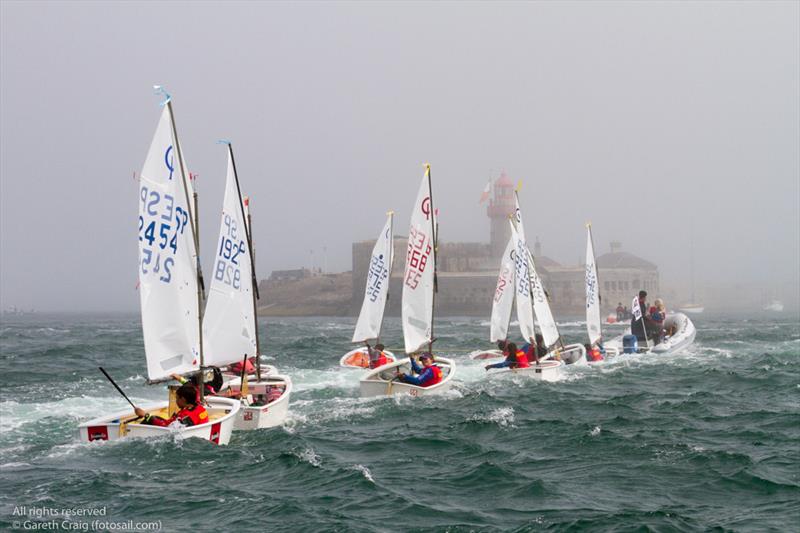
<point x="120" y="425"/>
<point x="352" y="360"/>
<point x="380" y="382"/>
<point x="546" y="370"/>
<point x="270" y="414"/>
<point x="683" y="337"/>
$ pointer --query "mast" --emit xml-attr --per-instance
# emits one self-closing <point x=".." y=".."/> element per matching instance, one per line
<point x="435" y="235"/>
<point x="192" y="220"/>
<point x="253" y="281"/>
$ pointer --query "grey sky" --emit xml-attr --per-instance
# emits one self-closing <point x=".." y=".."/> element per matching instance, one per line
<point x="653" y="120"/>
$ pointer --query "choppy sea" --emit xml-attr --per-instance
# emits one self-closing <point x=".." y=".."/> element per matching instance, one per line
<point x="704" y="440"/>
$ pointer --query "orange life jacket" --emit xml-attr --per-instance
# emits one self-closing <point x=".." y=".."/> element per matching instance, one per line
<point x="594" y="354"/>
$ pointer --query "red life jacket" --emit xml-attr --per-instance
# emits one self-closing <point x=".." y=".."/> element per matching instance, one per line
<point x="522" y="360"/>
<point x="380" y="361"/>
<point x="196" y="416"/>
<point x="437" y="376"/>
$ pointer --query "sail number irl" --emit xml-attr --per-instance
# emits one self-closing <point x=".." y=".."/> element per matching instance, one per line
<point x="231" y="251"/>
<point x="160" y="224"/>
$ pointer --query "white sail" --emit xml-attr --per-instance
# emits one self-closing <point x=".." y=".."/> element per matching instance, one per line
<point x="522" y="285"/>
<point x="592" y="291"/>
<point x="541" y="306"/>
<point x="377" y="288"/>
<point x="229" y="324"/>
<point x="503" y="295"/>
<point x="418" y="279"/>
<point x="167" y="260"/>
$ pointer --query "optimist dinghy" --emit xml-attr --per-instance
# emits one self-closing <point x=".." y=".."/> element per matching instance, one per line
<point x="376" y="292"/>
<point x="382" y="381"/>
<point x="230" y="325"/>
<point x="221" y="414"/>
<point x="683" y="334"/>
<point x="170" y="292"/>
<point x="419" y="289"/>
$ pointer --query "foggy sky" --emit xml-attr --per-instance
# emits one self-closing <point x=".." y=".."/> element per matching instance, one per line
<point x="656" y="121"/>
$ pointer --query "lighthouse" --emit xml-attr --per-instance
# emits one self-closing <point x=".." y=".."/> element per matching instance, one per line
<point x="500" y="207"/>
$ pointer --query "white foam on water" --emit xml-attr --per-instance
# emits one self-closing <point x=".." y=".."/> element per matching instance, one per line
<point x="14" y="415"/>
<point x="365" y="471"/>
<point x="595" y="431"/>
<point x="14" y="465"/>
<point x="309" y="456"/>
<point x="315" y="379"/>
<point x="502" y="416"/>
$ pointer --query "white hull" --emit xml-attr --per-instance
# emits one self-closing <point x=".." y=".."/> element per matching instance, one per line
<point x="344" y="361"/>
<point x="572" y="354"/>
<point x="380" y="381"/>
<point x="684" y="336"/>
<point x="222" y="411"/>
<point x="692" y="309"/>
<point x="546" y="370"/>
<point x="271" y="414"/>
<point x="774" y="306"/>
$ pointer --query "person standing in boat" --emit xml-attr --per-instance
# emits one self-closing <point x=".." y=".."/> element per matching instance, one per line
<point x="643" y="327"/>
<point x="376" y="356"/>
<point x="428" y="374"/>
<point x="514" y="358"/>
<point x="190" y="412"/>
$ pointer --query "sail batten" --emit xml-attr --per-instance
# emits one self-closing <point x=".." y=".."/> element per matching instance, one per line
<point x="377" y="287"/>
<point x="168" y="259"/>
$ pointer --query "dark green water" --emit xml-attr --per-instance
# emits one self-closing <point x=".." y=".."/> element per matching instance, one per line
<point x="708" y="439"/>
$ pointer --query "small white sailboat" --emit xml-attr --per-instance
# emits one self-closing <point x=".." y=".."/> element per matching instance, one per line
<point x="775" y="306"/>
<point x="376" y="293"/>
<point x="692" y="307"/>
<point x="419" y="289"/>
<point x="170" y="294"/>
<point x="230" y="325"/>
<point x="593" y="325"/>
